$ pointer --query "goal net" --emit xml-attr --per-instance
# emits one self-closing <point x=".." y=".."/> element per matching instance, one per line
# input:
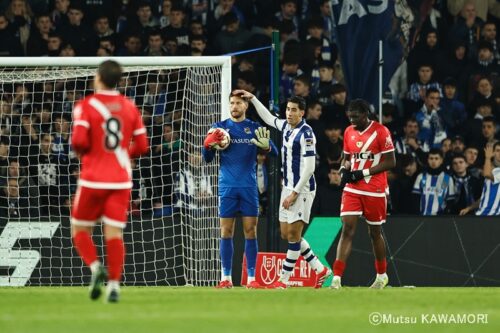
<point x="173" y="230"/>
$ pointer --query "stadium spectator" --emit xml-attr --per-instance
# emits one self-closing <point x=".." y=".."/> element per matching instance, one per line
<point x="467" y="28"/>
<point x="61" y="144"/>
<point x="489" y="34"/>
<point x="20" y="15"/>
<point x="453" y="61"/>
<point x="488" y="203"/>
<point x="326" y="82"/>
<point x="215" y="21"/>
<point x="468" y="187"/>
<point x="471" y="154"/>
<point x="313" y="115"/>
<point x="434" y="188"/>
<point x="198" y="43"/>
<point x="102" y="27"/>
<point x="390" y="119"/>
<point x="481" y="8"/>
<point x="401" y="189"/>
<point x="328" y="50"/>
<point x="176" y="29"/>
<point x="54" y="43"/>
<point x="425" y="81"/>
<point x="288" y="12"/>
<point x="484" y="94"/>
<point x="192" y="187"/>
<point x="291" y="70"/>
<point x="165" y="13"/>
<point x="327" y="202"/>
<point x="14" y="203"/>
<point x="431" y="128"/>
<point x="474" y="129"/>
<point x="37" y="42"/>
<point x="142" y="22"/>
<point x="426" y="52"/>
<point x="451" y="110"/>
<point x="108" y="45"/>
<point x="232" y="37"/>
<point x="10" y="44"/>
<point x="77" y="34"/>
<point x="155" y="46"/>
<point x="132" y="46"/>
<point x="335" y="111"/>
<point x="59" y="15"/>
<point x="410" y="144"/>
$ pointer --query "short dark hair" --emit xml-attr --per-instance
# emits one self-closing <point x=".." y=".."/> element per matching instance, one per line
<point x="489" y="119"/>
<point x="359" y="105"/>
<point x="110" y="73"/>
<point x="301" y="102"/>
<point x="496" y="144"/>
<point x="432" y="90"/>
<point x="436" y="151"/>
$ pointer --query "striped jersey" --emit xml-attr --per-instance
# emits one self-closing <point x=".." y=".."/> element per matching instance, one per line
<point x="365" y="149"/>
<point x="111" y="122"/>
<point x="434" y="191"/>
<point x="298" y="143"/>
<point x="489" y="203"/>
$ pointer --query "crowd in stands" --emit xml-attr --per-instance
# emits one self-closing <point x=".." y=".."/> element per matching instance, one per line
<point x="442" y="108"/>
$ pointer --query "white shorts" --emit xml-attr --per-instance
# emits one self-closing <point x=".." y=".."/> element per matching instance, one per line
<point x="301" y="208"/>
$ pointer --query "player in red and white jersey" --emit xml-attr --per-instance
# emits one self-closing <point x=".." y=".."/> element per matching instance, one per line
<point x="368" y="154"/>
<point x="107" y="132"/>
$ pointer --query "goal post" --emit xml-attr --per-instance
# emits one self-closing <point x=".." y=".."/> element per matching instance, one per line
<point x="173" y="231"/>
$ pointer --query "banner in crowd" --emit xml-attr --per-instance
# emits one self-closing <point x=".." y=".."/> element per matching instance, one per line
<point x="360" y="25"/>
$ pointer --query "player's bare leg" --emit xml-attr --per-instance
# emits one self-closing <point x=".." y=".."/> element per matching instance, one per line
<point x="115" y="259"/>
<point x="251" y="249"/>
<point x="226" y="251"/>
<point x="82" y="239"/>
<point x="378" y="244"/>
<point x="349" y="224"/>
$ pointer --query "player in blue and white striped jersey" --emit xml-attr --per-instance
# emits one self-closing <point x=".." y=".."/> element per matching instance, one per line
<point x="489" y="204"/>
<point x="298" y="157"/>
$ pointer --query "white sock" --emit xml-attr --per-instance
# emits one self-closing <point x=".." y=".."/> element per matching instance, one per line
<point x="250" y="279"/>
<point x="95" y="266"/>
<point x="382" y="276"/>
<point x="227" y="278"/>
<point x="113" y="285"/>
<point x="310" y="257"/>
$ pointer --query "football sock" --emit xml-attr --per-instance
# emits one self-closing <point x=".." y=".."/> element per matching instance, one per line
<point x="381" y="266"/>
<point x="310" y="257"/>
<point x="251" y="248"/>
<point x="116" y="258"/>
<point x="338" y="267"/>
<point x="226" y="257"/>
<point x="85" y="247"/>
<point x="291" y="258"/>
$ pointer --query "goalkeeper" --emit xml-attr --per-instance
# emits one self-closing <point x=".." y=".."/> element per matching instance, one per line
<point x="238" y="183"/>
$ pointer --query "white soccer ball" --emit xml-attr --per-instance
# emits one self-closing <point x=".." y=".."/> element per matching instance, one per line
<point x="224" y="144"/>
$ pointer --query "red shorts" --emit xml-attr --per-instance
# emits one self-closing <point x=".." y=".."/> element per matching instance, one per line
<point x="91" y="204"/>
<point x="374" y="209"/>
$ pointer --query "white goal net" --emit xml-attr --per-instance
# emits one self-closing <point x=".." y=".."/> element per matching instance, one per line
<point x="173" y="230"/>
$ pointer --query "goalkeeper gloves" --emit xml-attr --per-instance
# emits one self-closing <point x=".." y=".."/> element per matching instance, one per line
<point x="213" y="137"/>
<point x="262" y="138"/>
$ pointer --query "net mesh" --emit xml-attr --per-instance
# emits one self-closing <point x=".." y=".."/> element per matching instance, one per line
<point x="172" y="236"/>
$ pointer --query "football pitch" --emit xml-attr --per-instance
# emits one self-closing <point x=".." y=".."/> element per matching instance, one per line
<point x="194" y="309"/>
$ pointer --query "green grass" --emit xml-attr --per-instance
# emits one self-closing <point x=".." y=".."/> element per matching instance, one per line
<point x="183" y="309"/>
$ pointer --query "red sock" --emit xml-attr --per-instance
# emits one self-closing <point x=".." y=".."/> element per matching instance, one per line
<point x="85" y="247"/>
<point x="116" y="257"/>
<point x="381" y="266"/>
<point x="338" y="267"/>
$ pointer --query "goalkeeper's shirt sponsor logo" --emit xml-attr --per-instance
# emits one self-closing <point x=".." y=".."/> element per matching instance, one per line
<point x="241" y="141"/>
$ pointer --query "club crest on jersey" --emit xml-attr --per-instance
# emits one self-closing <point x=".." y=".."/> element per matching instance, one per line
<point x="247" y="130"/>
<point x="359" y="144"/>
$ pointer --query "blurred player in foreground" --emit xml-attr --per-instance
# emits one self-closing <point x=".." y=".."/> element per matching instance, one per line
<point x="238" y="183"/>
<point x="299" y="186"/>
<point x="368" y="154"/>
<point x="107" y="132"/>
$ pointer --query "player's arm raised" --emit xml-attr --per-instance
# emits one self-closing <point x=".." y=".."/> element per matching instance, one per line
<point x="263" y="112"/>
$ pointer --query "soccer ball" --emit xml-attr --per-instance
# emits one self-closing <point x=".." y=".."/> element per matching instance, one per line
<point x="225" y="142"/>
